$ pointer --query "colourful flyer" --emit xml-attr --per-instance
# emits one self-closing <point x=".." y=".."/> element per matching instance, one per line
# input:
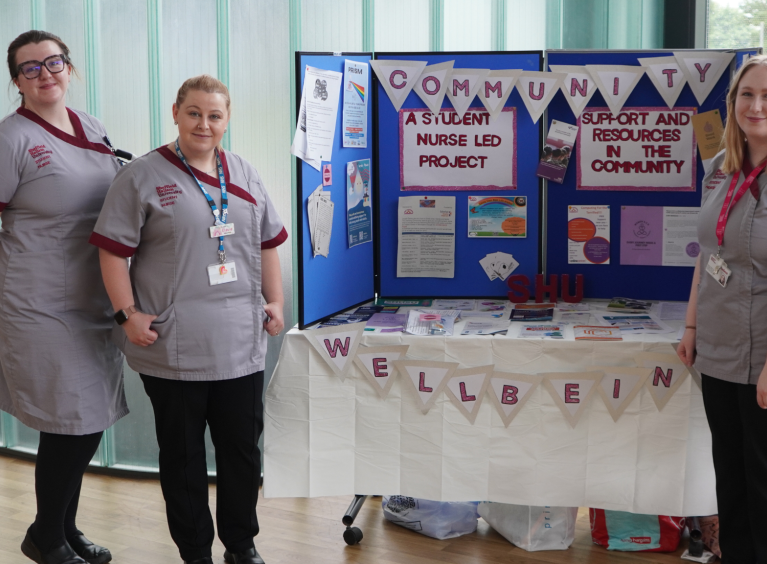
<point x="359" y="211"/>
<point x="557" y="151"/>
<point x="498" y="217"/>
<point x="588" y="234"/>
<point x="355" y="112"/>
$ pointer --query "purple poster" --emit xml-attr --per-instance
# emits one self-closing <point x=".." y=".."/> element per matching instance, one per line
<point x="642" y="235"/>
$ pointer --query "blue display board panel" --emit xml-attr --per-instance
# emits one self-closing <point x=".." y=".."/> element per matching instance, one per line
<point x="614" y="279"/>
<point x="346" y="277"/>
<point x="470" y="280"/>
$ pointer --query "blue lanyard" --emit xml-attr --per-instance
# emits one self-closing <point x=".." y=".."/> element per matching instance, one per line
<point x="224" y="199"/>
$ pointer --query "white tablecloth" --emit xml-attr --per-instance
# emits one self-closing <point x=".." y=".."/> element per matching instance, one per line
<point x="325" y="437"/>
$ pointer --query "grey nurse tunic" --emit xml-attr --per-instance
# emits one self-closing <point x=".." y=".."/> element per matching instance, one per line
<point x="156" y="213"/>
<point x="59" y="371"/>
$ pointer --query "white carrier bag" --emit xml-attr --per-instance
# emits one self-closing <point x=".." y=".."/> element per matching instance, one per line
<point x="437" y="519"/>
<point x="531" y="528"/>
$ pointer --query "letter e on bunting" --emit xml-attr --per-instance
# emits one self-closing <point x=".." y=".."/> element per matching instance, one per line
<point x="616" y="83"/>
<point x="428" y="379"/>
<point x="510" y="392"/>
<point x="432" y="85"/>
<point x="397" y="78"/>
<point x="537" y="89"/>
<point x="667" y="77"/>
<point x="665" y="374"/>
<point x="496" y="88"/>
<point x="702" y="70"/>
<point x="377" y="365"/>
<point x="578" y="86"/>
<point x="337" y="345"/>
<point x="462" y="87"/>
<point x="467" y="388"/>
<point x="619" y="386"/>
<point x="572" y="391"/>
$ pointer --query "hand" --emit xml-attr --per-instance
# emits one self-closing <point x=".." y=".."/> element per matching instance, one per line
<point x="275" y="324"/>
<point x="686" y="348"/>
<point x="138" y="331"/>
<point x="761" y="389"/>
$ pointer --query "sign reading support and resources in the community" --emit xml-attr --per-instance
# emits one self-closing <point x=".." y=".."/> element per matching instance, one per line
<point x="447" y="152"/>
<point x="642" y="149"/>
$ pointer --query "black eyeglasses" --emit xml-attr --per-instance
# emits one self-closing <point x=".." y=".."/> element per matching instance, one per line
<point x="54" y="64"/>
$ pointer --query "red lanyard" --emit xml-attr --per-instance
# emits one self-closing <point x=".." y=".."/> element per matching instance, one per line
<point x="727" y="206"/>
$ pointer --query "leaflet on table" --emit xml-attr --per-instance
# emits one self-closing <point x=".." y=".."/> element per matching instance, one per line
<point x="391" y="302"/>
<point x="426" y="241"/>
<point x="431" y="321"/>
<point x="498" y="217"/>
<point x="495" y="309"/>
<point x="553" y="331"/>
<point x="597" y="333"/>
<point x="320" y="211"/>
<point x="629" y="305"/>
<point x="343" y="319"/>
<point x="355" y="113"/>
<point x="489" y="327"/>
<point x="588" y="234"/>
<point x="580" y="317"/>
<point x="371" y="309"/>
<point x="659" y="236"/>
<point x="498" y="265"/>
<point x="316" y="127"/>
<point x="672" y="311"/>
<point x="533" y="312"/>
<point x="454" y="304"/>
<point x="557" y="151"/>
<point x="635" y="324"/>
<point x="581" y="306"/>
<point x="387" y="322"/>
<point x="359" y="210"/>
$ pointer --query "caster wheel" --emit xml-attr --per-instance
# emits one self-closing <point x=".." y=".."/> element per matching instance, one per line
<point x="352" y="535"/>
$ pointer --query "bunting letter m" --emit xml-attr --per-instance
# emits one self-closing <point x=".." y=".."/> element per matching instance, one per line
<point x="337" y="346"/>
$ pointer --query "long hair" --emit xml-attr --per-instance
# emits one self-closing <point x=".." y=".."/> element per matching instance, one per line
<point x="734" y="140"/>
<point x="34" y="36"/>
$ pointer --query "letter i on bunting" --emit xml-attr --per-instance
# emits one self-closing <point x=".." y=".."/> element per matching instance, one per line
<point x="496" y="88"/>
<point x="702" y="70"/>
<point x="428" y="379"/>
<point x="619" y="386"/>
<point x="667" y="76"/>
<point x="462" y="86"/>
<point x="337" y="345"/>
<point x="397" y="78"/>
<point x="616" y="83"/>
<point x="572" y="391"/>
<point x="510" y="392"/>
<point x="377" y="364"/>
<point x="578" y="86"/>
<point x="537" y="89"/>
<point x="665" y="374"/>
<point x="432" y="85"/>
<point x="467" y="388"/>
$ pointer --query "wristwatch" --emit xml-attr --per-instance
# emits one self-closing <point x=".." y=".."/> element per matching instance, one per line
<point x="123" y="315"/>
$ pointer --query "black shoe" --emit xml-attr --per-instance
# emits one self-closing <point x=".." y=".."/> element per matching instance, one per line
<point x="250" y="556"/>
<point x="61" y="555"/>
<point x="91" y="553"/>
<point x="203" y="560"/>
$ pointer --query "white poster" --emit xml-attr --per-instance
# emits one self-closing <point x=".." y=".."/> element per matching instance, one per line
<point x="397" y="78"/>
<point x="639" y="149"/>
<point x="447" y="152"/>
<point x="680" y="236"/>
<point x="588" y="234"/>
<point x="355" y="114"/>
<point x="317" y="115"/>
<point x="426" y="242"/>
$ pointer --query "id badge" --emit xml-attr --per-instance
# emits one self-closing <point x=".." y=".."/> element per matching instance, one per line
<point x="222" y="273"/>
<point x="723" y="276"/>
<point x="714" y="264"/>
<point x="221" y="230"/>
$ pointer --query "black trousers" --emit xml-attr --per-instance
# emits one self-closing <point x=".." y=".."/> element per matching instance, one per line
<point x="234" y="411"/>
<point x="739" y="445"/>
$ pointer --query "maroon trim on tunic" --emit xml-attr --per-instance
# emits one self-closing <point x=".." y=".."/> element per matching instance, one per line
<point x="233" y="189"/>
<point x="78" y="139"/>
<point x="2" y="205"/>
<point x="111" y="245"/>
<point x="277" y="241"/>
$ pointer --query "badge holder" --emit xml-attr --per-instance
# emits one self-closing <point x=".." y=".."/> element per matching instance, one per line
<point x="222" y="272"/>
<point x="718" y="269"/>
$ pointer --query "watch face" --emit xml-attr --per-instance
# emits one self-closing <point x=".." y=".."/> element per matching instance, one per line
<point x="121" y="317"/>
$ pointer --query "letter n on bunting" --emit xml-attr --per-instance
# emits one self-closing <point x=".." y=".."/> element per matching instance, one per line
<point x="337" y="345"/>
<point x="666" y="373"/>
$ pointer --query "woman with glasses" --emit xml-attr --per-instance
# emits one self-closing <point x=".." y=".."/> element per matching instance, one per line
<point x="203" y="291"/>
<point x="59" y="371"/>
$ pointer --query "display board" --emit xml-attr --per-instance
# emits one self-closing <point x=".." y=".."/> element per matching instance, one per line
<point x="469" y="279"/>
<point x="345" y="278"/>
<point x="645" y="281"/>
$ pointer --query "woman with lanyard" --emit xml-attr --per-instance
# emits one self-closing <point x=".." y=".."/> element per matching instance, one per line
<point x="726" y="324"/>
<point x="60" y="373"/>
<point x="202" y="233"/>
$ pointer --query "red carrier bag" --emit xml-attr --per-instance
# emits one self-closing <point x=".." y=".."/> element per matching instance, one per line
<point x="619" y="530"/>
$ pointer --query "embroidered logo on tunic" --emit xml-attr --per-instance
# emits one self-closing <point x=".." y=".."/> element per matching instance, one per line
<point x="718" y="178"/>
<point x="41" y="155"/>
<point x="168" y="194"/>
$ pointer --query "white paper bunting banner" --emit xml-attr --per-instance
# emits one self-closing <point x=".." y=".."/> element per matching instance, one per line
<point x="510" y="392"/>
<point x="616" y="83"/>
<point x="463" y="85"/>
<point x="496" y="88"/>
<point x="619" y="386"/>
<point x="467" y="387"/>
<point x="397" y="78"/>
<point x="667" y="77"/>
<point x="337" y="345"/>
<point x="703" y="69"/>
<point x="665" y="374"/>
<point x="377" y="364"/>
<point x="572" y="391"/>
<point x="428" y="378"/>
<point x="578" y="86"/>
<point x="432" y="85"/>
<point x="537" y="89"/>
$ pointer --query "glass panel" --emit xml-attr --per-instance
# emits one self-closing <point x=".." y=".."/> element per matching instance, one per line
<point x="23" y="438"/>
<point x="67" y="20"/>
<point x="731" y="26"/>
<point x="331" y="25"/>
<point x="14" y="21"/>
<point x="135" y="442"/>
<point x="402" y="25"/>
<point x="525" y="25"/>
<point x="468" y="25"/>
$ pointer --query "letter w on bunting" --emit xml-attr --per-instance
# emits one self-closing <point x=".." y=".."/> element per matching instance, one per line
<point x="572" y="391"/>
<point x="665" y="374"/>
<point x="466" y="389"/>
<point x="377" y="365"/>
<point x="619" y="386"/>
<point x="337" y="345"/>
<point x="428" y="379"/>
<point x="510" y="392"/>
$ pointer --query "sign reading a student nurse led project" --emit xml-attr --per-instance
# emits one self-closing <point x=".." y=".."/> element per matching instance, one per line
<point x="643" y="149"/>
<point x="449" y="152"/>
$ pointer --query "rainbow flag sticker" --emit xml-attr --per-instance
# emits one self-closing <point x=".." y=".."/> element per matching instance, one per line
<point x="359" y="90"/>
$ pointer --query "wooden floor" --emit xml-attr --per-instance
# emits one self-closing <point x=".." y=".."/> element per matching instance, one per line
<point x="128" y="516"/>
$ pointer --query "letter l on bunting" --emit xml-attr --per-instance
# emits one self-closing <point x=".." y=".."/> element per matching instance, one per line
<point x="467" y="388"/>
<point x="428" y="379"/>
<point x="337" y="345"/>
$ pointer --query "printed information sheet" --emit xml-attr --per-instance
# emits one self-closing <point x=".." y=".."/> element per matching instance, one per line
<point x="359" y="213"/>
<point x="496" y="216"/>
<point x="588" y="234"/>
<point x="355" y="113"/>
<point x="316" y="128"/>
<point x="659" y="236"/>
<point x="426" y="242"/>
